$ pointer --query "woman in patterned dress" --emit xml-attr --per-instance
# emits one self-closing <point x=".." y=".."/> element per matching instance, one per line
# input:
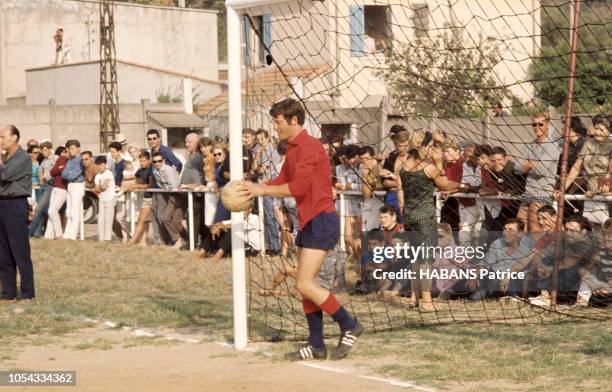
<point x="418" y="176"/>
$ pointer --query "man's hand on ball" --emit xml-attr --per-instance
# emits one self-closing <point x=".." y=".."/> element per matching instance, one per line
<point x="252" y="189"/>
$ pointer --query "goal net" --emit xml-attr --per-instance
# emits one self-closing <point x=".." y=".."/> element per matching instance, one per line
<point x="408" y="98"/>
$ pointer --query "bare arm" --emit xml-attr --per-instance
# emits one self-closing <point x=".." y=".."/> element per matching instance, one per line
<point x="442" y="182"/>
<point x="573" y="173"/>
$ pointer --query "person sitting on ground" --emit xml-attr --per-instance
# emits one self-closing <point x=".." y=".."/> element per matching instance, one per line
<point x="444" y="265"/>
<point x="331" y="276"/>
<point x="502" y="256"/>
<point x="596" y="275"/>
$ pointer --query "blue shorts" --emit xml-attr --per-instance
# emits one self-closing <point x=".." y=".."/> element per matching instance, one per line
<point x="322" y="232"/>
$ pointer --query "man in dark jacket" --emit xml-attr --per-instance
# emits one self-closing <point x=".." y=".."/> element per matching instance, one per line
<point x="15" y="188"/>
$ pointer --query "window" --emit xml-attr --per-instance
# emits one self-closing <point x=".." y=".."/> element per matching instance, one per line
<point x="328" y="130"/>
<point x="257" y="41"/>
<point x="370" y="29"/>
<point x="420" y="20"/>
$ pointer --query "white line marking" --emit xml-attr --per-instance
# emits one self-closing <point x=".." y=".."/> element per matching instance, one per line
<point x="403" y="384"/>
<point x="143" y="333"/>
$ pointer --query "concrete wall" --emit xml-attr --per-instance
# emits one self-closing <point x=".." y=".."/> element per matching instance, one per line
<point x="60" y="123"/>
<point x="178" y="39"/>
<point x="314" y="32"/>
<point x="79" y="84"/>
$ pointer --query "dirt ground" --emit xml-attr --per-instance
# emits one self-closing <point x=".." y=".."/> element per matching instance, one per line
<point x="114" y="360"/>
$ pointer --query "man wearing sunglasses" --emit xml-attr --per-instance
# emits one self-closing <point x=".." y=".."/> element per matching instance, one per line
<point x="159" y="200"/>
<point x="540" y="166"/>
<point x="166" y="178"/>
<point x="154" y="141"/>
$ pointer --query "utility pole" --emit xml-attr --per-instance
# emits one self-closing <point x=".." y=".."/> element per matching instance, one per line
<point x="109" y="93"/>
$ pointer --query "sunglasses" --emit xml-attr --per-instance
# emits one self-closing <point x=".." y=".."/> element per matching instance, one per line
<point x="538" y="124"/>
<point x="151" y="138"/>
<point x="158" y="160"/>
<point x="36" y="152"/>
<point x="218" y="154"/>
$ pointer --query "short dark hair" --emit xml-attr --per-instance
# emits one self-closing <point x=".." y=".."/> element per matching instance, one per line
<point x="248" y="131"/>
<point x="153" y="131"/>
<point x="367" y="150"/>
<point x="289" y="108"/>
<point x="100" y="159"/>
<point x="87" y="153"/>
<point x="262" y="131"/>
<point x="47" y="144"/>
<point x="352" y="150"/>
<point x="73" y="142"/>
<point x="157" y="154"/>
<point x="498" y="150"/>
<point x="115" y="145"/>
<point x="59" y="150"/>
<point x="14" y="131"/>
<point x="32" y="148"/>
<point x="144" y="154"/>
<point x="601" y="119"/>
<point x="513" y="221"/>
<point x="547" y="209"/>
<point x="395" y="129"/>
<point x="577" y="125"/>
<point x="204" y="142"/>
<point x="483" y="149"/>
<point x="387" y="209"/>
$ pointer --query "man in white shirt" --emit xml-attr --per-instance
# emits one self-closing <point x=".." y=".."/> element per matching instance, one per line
<point x="470" y="219"/>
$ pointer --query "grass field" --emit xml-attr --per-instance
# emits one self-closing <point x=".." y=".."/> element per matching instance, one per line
<point x="157" y="287"/>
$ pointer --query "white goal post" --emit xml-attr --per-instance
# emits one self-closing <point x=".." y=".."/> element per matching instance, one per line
<point x="234" y="61"/>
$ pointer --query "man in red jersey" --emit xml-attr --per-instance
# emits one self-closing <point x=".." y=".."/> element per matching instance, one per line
<point x="305" y="177"/>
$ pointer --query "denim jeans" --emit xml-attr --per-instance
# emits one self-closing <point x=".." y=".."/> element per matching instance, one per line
<point x="40" y="213"/>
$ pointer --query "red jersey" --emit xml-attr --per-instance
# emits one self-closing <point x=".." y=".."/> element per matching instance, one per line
<point x="306" y="169"/>
<point x="454" y="170"/>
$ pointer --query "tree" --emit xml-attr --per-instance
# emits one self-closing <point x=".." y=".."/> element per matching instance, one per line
<point x="549" y="71"/>
<point x="445" y="77"/>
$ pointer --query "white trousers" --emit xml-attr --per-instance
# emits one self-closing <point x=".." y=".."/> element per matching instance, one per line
<point x="469" y="225"/>
<point x="74" y="207"/>
<point x="54" y="224"/>
<point x="106" y="215"/>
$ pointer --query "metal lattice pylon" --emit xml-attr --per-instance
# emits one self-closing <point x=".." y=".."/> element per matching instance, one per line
<point x="109" y="93"/>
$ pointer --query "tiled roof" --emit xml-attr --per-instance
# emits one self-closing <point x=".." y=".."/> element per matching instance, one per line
<point x="265" y="87"/>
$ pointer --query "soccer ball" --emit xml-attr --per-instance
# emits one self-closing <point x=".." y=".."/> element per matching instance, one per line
<point x="231" y="198"/>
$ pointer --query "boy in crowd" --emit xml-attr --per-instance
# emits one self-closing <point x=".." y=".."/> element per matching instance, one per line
<point x="73" y="174"/>
<point x="104" y="183"/>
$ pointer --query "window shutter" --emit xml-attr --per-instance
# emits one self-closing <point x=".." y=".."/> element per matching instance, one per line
<point x="247" y="41"/>
<point x="357" y="29"/>
<point x="267" y="30"/>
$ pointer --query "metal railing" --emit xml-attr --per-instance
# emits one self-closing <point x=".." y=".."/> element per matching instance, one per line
<point x="132" y="213"/>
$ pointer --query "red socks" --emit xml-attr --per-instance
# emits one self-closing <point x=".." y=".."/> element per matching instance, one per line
<point x="331" y="305"/>
<point x="309" y="306"/>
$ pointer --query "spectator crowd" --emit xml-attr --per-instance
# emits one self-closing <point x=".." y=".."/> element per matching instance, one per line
<point x="406" y="195"/>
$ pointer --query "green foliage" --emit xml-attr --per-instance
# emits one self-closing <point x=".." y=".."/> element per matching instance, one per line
<point x="550" y="70"/>
<point x="446" y="77"/>
<point x="169" y="95"/>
